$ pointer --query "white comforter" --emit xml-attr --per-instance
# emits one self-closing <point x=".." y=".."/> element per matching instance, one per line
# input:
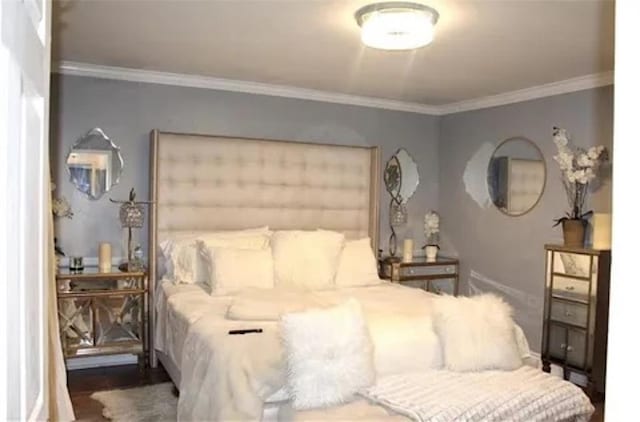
<point x="230" y="377"/>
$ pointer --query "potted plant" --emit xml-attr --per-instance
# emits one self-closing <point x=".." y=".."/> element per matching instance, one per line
<point x="579" y="168"/>
<point x="431" y="232"/>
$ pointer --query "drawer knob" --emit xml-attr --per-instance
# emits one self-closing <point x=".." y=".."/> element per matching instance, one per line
<point x="563" y="346"/>
<point x="568" y="314"/>
<point x="411" y="271"/>
<point x="570" y="288"/>
<point x="569" y="348"/>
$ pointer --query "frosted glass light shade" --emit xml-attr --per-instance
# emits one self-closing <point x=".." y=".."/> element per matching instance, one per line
<point x="397" y="25"/>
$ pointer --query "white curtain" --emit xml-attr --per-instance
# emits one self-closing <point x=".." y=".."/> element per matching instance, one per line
<point x="60" y="408"/>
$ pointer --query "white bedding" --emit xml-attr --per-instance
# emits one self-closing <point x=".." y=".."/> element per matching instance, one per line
<point x="399" y="320"/>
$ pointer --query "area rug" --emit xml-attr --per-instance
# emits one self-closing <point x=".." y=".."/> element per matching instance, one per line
<point x="149" y="403"/>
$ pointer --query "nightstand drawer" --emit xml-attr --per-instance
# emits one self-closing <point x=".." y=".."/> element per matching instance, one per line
<point x="571" y="313"/>
<point x="568" y="342"/>
<point x="571" y="288"/>
<point x="418" y="284"/>
<point x="443" y="286"/>
<point x="424" y="270"/>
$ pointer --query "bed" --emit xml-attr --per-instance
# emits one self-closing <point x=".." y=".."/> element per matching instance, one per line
<point x="202" y="183"/>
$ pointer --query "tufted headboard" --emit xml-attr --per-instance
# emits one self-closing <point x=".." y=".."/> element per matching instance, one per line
<point x="210" y="183"/>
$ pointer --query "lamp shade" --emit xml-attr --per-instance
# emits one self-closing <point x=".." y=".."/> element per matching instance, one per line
<point x="131" y="215"/>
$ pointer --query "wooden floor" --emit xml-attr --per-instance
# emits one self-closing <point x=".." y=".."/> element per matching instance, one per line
<point x="83" y="382"/>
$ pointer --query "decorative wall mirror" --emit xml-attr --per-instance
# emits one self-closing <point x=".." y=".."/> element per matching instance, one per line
<point x="401" y="181"/>
<point x="516" y="176"/>
<point x="94" y="164"/>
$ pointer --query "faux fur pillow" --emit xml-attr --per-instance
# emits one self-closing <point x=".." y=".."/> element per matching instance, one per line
<point x="477" y="333"/>
<point x="329" y="355"/>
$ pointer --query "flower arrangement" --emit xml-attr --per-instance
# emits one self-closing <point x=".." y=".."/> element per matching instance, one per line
<point x="432" y="228"/>
<point x="579" y="167"/>
<point x="60" y="208"/>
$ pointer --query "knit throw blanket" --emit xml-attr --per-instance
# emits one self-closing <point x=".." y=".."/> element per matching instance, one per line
<point x="526" y="394"/>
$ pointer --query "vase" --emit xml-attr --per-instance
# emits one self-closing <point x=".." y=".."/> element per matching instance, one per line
<point x="431" y="252"/>
<point x="573" y="231"/>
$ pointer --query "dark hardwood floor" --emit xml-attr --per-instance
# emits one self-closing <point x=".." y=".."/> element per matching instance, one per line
<point x="84" y="382"/>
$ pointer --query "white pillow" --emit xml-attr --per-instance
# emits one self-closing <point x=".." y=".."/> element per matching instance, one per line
<point x="182" y="260"/>
<point x="186" y="261"/>
<point x="357" y="265"/>
<point x="329" y="355"/>
<point x="306" y="259"/>
<point x="233" y="270"/>
<point x="477" y="333"/>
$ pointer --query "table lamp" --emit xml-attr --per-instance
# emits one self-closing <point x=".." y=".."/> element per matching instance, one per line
<point x="131" y="217"/>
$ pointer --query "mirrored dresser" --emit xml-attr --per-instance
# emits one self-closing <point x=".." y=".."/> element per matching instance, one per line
<point x="576" y="312"/>
<point x="102" y="313"/>
<point x="439" y="276"/>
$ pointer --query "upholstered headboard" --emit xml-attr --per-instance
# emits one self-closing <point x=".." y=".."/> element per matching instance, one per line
<point x="207" y="183"/>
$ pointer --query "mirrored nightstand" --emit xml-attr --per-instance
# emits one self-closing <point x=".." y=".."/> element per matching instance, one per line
<point x="439" y="276"/>
<point x="102" y="313"/>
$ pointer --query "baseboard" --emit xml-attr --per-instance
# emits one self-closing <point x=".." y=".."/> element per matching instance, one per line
<point x="100" y="361"/>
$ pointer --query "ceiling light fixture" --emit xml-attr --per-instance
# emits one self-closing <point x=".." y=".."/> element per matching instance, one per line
<point x="397" y="25"/>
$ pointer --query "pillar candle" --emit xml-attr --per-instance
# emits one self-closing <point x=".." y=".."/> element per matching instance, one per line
<point x="104" y="257"/>
<point x="601" y="231"/>
<point x="407" y="250"/>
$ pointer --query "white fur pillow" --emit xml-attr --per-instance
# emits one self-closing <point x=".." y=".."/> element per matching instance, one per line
<point x="357" y="265"/>
<point x="329" y="355"/>
<point x="306" y="259"/>
<point x="477" y="333"/>
<point x="234" y="270"/>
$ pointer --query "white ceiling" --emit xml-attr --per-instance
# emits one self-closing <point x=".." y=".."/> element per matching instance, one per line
<point x="481" y="48"/>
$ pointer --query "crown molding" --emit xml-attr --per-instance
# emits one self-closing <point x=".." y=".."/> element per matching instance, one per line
<point x="233" y="85"/>
<point x="547" y="90"/>
<point x="206" y="82"/>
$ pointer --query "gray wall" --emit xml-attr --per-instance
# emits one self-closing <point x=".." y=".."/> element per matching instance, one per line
<point x="501" y="253"/>
<point x="498" y="253"/>
<point x="127" y="111"/>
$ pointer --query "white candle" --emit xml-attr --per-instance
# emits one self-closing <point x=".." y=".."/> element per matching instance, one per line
<point x="104" y="257"/>
<point x="601" y="231"/>
<point x="407" y="250"/>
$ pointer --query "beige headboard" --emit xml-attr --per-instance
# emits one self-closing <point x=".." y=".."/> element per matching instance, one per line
<point x="207" y="183"/>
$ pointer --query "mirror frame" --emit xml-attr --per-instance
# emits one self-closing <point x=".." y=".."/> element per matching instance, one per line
<point x="544" y="180"/>
<point x="99" y="132"/>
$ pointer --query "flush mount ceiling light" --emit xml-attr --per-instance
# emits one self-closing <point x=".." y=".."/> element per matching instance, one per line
<point x="397" y="25"/>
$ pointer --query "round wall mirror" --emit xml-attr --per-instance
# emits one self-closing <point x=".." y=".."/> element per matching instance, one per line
<point x="516" y="176"/>
<point x="94" y="164"/>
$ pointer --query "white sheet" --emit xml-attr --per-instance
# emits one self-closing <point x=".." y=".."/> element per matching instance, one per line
<point x="399" y="319"/>
<point x="178" y="306"/>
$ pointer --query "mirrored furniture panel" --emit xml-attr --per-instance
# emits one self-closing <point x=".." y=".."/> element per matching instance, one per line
<point x="516" y="176"/>
<point x="439" y="276"/>
<point x="94" y="164"/>
<point x="102" y="313"/>
<point x="576" y="312"/>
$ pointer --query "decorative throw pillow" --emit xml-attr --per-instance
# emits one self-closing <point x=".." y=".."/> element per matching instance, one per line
<point x="357" y="265"/>
<point x="477" y="333"/>
<point x="181" y="258"/>
<point x="186" y="261"/>
<point x="233" y="270"/>
<point x="329" y="355"/>
<point x="306" y="259"/>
